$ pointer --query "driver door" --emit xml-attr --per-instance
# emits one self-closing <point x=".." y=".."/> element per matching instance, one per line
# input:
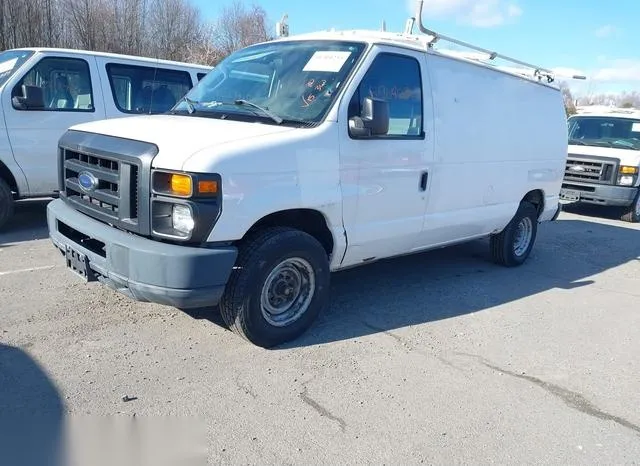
<point x="69" y="99"/>
<point x="385" y="178"/>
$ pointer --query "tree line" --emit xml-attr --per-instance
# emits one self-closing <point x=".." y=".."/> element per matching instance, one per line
<point x="621" y="100"/>
<point x="167" y="29"/>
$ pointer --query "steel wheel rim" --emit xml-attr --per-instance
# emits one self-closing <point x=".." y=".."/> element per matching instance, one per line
<point x="287" y="292"/>
<point x="524" y="233"/>
<point x="637" y="207"/>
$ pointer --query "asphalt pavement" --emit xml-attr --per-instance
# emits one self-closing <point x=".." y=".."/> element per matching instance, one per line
<point x="437" y="358"/>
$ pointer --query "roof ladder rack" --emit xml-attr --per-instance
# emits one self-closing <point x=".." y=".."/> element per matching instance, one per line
<point x="538" y="71"/>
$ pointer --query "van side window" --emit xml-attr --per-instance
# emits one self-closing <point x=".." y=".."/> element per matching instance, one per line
<point x="201" y="75"/>
<point x="142" y="89"/>
<point x="65" y="84"/>
<point x="396" y="79"/>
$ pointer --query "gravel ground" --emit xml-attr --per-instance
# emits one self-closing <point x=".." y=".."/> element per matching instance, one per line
<point x="435" y="358"/>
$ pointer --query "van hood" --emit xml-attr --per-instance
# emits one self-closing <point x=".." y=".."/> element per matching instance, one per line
<point x="178" y="137"/>
<point x="626" y="156"/>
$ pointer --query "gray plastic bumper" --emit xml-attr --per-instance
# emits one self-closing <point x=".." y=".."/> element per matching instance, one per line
<point x="143" y="269"/>
<point x="606" y="195"/>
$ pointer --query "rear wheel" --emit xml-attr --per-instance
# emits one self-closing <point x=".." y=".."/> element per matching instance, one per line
<point x="278" y="287"/>
<point x="6" y="204"/>
<point x="512" y="246"/>
<point x="632" y="213"/>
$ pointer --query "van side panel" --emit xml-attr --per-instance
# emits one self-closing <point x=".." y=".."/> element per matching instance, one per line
<point x="497" y="137"/>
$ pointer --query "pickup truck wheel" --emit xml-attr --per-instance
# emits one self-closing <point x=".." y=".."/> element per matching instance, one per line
<point x="6" y="204"/>
<point x="512" y="246"/>
<point x="279" y="285"/>
<point x="632" y="213"/>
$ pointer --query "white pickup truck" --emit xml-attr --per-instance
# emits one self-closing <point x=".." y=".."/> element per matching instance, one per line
<point x="303" y="156"/>
<point x="604" y="160"/>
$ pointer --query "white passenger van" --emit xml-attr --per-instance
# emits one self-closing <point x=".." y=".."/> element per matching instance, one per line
<point x="307" y="155"/>
<point x="604" y="160"/>
<point x="45" y="91"/>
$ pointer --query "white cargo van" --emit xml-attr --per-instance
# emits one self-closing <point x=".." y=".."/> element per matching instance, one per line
<point x="45" y="91"/>
<point x="307" y="155"/>
<point x="604" y="160"/>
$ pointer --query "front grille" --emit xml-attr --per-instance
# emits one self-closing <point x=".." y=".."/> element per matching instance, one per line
<point x="114" y="196"/>
<point x="591" y="170"/>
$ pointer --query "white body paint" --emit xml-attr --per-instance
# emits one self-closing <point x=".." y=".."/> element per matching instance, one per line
<point x="491" y="137"/>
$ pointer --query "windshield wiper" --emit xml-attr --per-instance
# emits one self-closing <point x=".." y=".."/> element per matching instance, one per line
<point x="271" y="115"/>
<point x="577" y="142"/>
<point x="238" y="103"/>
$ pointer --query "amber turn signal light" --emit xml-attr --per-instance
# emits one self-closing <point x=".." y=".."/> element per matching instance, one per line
<point x="207" y="187"/>
<point x="181" y="184"/>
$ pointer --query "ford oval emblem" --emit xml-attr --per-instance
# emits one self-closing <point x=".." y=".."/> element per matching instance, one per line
<point x="87" y="181"/>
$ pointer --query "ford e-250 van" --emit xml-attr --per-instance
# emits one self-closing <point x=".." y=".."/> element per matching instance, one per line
<point x="603" y="163"/>
<point x="45" y="91"/>
<point x="307" y="155"/>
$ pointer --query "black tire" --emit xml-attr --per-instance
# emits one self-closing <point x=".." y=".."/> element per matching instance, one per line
<point x="6" y="204"/>
<point x="632" y="213"/>
<point x="503" y="245"/>
<point x="259" y="255"/>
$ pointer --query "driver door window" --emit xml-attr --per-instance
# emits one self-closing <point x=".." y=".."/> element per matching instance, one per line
<point x="397" y="80"/>
<point x="65" y="84"/>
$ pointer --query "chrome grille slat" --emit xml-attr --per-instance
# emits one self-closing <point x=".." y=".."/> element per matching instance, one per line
<point x="114" y="199"/>
<point x="106" y="174"/>
<point x="109" y="197"/>
<point x="590" y="170"/>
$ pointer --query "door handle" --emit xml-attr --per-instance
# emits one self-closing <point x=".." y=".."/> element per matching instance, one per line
<point x="423" y="180"/>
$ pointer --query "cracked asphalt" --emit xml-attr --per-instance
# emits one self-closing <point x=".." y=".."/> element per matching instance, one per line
<point x="438" y="358"/>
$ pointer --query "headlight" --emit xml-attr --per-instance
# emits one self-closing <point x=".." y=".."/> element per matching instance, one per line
<point x="626" y="180"/>
<point x="627" y="175"/>
<point x="182" y="219"/>
<point x="184" y="206"/>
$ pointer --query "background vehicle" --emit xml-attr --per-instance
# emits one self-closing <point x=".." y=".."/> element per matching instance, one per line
<point x="306" y="155"/>
<point x="45" y="91"/>
<point x="604" y="160"/>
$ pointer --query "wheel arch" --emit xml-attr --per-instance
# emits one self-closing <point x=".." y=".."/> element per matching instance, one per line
<point x="8" y="177"/>
<point x="311" y="221"/>
<point x="535" y="197"/>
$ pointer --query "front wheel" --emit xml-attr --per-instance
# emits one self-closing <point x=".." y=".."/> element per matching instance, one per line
<point x="632" y="213"/>
<point x="512" y="246"/>
<point x="6" y="203"/>
<point x="279" y="285"/>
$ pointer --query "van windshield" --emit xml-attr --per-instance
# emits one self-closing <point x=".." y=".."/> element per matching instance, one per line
<point x="618" y="132"/>
<point x="281" y="81"/>
<point x="10" y="61"/>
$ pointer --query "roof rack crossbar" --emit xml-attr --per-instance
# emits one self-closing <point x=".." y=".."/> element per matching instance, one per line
<point x="492" y="55"/>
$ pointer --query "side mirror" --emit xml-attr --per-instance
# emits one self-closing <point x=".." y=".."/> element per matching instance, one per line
<point x="32" y="98"/>
<point x="374" y="120"/>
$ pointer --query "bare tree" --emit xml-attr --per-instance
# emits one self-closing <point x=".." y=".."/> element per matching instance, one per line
<point x="171" y="29"/>
<point x="569" y="105"/>
<point x="238" y="27"/>
<point x="173" y="25"/>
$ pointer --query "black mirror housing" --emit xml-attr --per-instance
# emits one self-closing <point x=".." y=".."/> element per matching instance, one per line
<point x="373" y="121"/>
<point x="32" y="98"/>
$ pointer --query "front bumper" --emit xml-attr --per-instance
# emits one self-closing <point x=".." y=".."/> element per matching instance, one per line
<point x="605" y="195"/>
<point x="145" y="270"/>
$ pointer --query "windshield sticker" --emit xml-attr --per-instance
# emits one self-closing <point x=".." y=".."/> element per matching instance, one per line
<point x="8" y="65"/>
<point x="327" y="61"/>
<point x="635" y="128"/>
